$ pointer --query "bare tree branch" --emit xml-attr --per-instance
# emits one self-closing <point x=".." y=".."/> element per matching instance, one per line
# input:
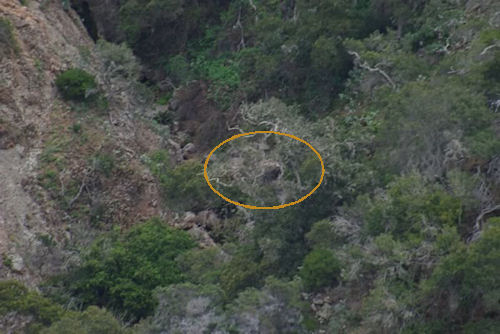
<point x="364" y="65"/>
<point x="479" y="222"/>
<point x="82" y="186"/>
<point x="252" y="5"/>
<point x="238" y="24"/>
<point x="234" y="128"/>
<point x="486" y="49"/>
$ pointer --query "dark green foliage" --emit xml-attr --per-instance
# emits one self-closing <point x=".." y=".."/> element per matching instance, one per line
<point x="457" y="287"/>
<point x="157" y="29"/>
<point x="91" y="321"/>
<point x="103" y="163"/>
<point x="320" y="269"/>
<point x="322" y="235"/>
<point x="241" y="272"/>
<point x="491" y="71"/>
<point x="7" y="261"/>
<point x="408" y="206"/>
<point x="164" y="117"/>
<point x="424" y="121"/>
<point x="275" y="308"/>
<point x="202" y="266"/>
<point x="75" y="84"/>
<point x="121" y="270"/>
<point x="178" y="69"/>
<point x="15" y="297"/>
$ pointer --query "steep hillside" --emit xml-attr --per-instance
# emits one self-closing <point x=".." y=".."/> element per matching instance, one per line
<point x="108" y="110"/>
<point x="49" y="147"/>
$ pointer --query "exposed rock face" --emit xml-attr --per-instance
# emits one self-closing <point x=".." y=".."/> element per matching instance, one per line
<point x="197" y="226"/>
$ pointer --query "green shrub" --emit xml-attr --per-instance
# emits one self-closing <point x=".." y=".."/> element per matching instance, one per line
<point x="103" y="163"/>
<point x="7" y="261"/>
<point x="15" y="297"/>
<point x="120" y="271"/>
<point x="178" y="69"/>
<point x="320" y="269"/>
<point x="491" y="70"/>
<point x="119" y="59"/>
<point x="241" y="272"/>
<point x="165" y="117"/>
<point x="322" y="235"/>
<point x="202" y="266"/>
<point x="183" y="186"/>
<point x="76" y="84"/>
<point x="425" y="123"/>
<point x="408" y="205"/>
<point x="483" y="326"/>
<point x="469" y="279"/>
<point x="92" y="321"/>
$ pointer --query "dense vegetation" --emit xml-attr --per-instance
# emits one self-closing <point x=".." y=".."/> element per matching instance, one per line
<point x="121" y="271"/>
<point x="401" y="98"/>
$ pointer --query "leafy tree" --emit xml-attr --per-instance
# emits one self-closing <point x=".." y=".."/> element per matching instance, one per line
<point x="320" y="268"/>
<point x="430" y="126"/>
<point x="241" y="272"/>
<point x="409" y="204"/>
<point x="465" y="281"/>
<point x="322" y="235"/>
<point x="120" y="271"/>
<point x="15" y="297"/>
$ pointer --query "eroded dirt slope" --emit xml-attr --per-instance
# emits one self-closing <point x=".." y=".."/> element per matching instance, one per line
<point x="43" y="138"/>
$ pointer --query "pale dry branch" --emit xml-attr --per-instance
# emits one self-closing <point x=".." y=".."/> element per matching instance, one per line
<point x="486" y="49"/>
<point x="252" y="5"/>
<point x="238" y="24"/>
<point x="479" y="222"/>
<point x="235" y="128"/>
<point x="364" y="65"/>
<point x="83" y="186"/>
<point x="74" y="199"/>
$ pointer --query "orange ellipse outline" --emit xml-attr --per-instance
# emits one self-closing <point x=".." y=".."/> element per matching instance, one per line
<point x="276" y="207"/>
